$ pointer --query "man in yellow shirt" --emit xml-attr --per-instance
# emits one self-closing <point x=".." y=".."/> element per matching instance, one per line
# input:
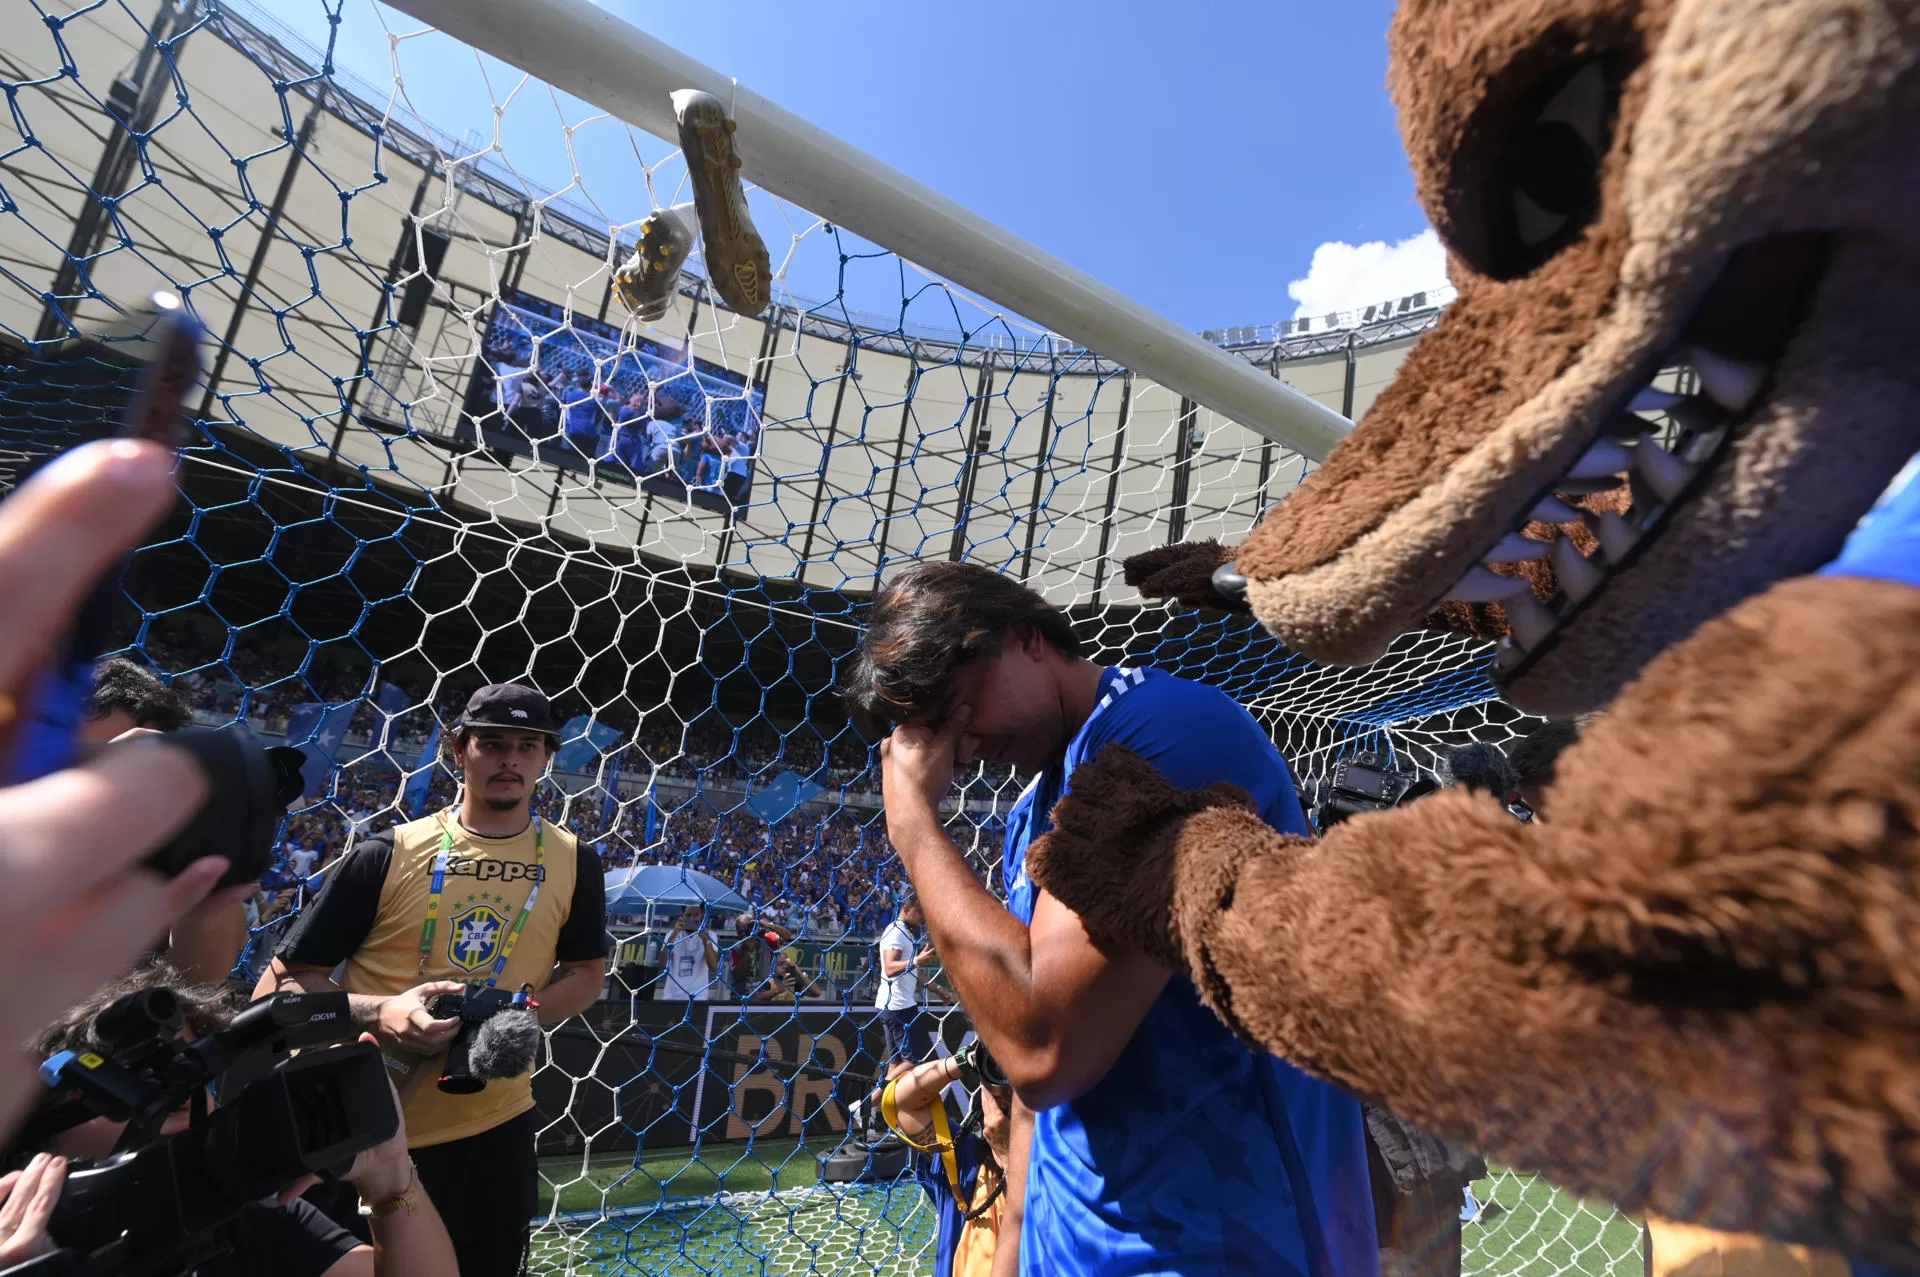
<point x="483" y="892"/>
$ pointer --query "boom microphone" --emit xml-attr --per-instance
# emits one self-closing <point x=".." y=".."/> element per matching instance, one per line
<point x="1482" y="766"/>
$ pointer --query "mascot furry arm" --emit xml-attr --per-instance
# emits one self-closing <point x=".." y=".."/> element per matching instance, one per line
<point x="1696" y="987"/>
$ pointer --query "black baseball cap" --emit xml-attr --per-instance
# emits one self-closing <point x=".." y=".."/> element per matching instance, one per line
<point x="510" y="705"/>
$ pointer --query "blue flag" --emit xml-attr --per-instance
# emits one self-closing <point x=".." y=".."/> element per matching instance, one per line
<point x="653" y="817"/>
<point x="609" y="806"/>
<point x="582" y="741"/>
<point x="316" y="729"/>
<point x="415" y="795"/>
<point x="780" y="797"/>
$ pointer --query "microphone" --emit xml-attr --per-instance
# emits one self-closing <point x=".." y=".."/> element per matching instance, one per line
<point x="1482" y="766"/>
<point x="504" y="1045"/>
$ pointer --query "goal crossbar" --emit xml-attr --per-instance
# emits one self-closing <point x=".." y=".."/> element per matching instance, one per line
<point x="613" y="65"/>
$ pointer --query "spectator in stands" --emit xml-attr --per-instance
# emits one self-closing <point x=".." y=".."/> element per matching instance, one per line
<point x="663" y="436"/>
<point x="691" y="956"/>
<point x="631" y="425"/>
<point x="960" y="1164"/>
<point x="756" y="940"/>
<point x="288" y="1237"/>
<point x="524" y="904"/>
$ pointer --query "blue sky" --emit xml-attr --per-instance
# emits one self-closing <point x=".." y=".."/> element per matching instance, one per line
<point x="1200" y="156"/>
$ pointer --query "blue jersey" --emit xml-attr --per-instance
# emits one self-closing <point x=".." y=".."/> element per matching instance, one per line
<point x="1886" y="543"/>
<point x="1196" y="1154"/>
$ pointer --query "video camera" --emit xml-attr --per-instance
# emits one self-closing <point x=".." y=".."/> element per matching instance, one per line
<point x="155" y="1206"/>
<point x="1366" y="783"/>
<point x="497" y="1038"/>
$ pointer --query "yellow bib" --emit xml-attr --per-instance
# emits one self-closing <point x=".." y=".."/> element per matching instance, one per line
<point x="487" y="883"/>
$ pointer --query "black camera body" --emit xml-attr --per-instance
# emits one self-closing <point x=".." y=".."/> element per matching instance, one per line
<point x="1364" y="783"/>
<point x="156" y="1205"/>
<point x="486" y="1047"/>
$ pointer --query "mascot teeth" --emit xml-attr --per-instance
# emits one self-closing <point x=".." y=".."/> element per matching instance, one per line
<point x="1665" y="473"/>
<point x="1576" y="575"/>
<point x="1732" y="383"/>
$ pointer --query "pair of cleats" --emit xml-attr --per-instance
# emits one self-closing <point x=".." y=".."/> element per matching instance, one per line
<point x="737" y="260"/>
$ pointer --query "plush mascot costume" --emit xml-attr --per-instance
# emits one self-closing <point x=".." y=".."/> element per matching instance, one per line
<point x="1696" y="989"/>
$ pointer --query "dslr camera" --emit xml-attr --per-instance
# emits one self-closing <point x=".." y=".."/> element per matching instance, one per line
<point x="1364" y="783"/>
<point x="156" y="1206"/>
<point x="497" y="1038"/>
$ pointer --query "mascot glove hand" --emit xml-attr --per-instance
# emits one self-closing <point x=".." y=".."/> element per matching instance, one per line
<point x="1115" y="855"/>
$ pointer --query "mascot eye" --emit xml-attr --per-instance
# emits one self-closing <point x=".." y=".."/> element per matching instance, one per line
<point x="1556" y="160"/>
<point x="1551" y="167"/>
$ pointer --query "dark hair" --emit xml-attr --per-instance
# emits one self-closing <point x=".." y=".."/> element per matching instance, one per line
<point x="1536" y="755"/>
<point x="929" y="621"/>
<point x="204" y="1010"/>
<point x="133" y="689"/>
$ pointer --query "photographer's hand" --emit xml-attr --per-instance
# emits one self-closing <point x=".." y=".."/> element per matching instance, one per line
<point x="27" y="1199"/>
<point x="405" y="1026"/>
<point x="75" y="908"/>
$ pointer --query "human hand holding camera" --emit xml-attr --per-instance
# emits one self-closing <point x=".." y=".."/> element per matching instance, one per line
<point x="406" y="1024"/>
<point x="75" y="905"/>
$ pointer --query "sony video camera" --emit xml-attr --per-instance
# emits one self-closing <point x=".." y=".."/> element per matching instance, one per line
<point x="1366" y="783"/>
<point x="156" y="1205"/>
<point x="497" y="1038"/>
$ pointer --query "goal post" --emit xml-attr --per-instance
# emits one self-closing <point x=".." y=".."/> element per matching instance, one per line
<point x="603" y="60"/>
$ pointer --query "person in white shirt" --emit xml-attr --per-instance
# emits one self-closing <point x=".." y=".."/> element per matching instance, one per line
<point x="897" y="997"/>
<point x="691" y="957"/>
<point x="302" y="860"/>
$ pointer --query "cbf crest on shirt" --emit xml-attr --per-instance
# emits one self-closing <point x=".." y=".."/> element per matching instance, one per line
<point x="486" y="886"/>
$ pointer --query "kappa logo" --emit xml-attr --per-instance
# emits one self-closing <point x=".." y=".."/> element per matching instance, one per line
<point x="475" y="937"/>
<point x="497" y="870"/>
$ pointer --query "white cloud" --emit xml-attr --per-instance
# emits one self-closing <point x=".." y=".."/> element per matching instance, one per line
<point x="1347" y="276"/>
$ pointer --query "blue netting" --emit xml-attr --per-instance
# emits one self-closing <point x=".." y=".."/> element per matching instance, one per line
<point x="426" y="461"/>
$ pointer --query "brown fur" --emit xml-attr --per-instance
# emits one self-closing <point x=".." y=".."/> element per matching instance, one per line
<point x="1182" y="572"/>
<point x="1713" y="1018"/>
<point x="1722" y="139"/>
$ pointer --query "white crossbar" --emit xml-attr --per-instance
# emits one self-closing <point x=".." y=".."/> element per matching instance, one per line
<point x="613" y="65"/>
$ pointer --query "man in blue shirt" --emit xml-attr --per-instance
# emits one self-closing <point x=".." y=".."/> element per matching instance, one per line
<point x="1147" y="1137"/>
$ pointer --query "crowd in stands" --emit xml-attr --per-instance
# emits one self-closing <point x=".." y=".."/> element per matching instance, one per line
<point x="824" y="873"/>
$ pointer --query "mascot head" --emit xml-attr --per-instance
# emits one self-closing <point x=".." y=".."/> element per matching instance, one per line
<point x="1685" y="356"/>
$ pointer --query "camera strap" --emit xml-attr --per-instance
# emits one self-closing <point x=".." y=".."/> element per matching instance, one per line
<point x="942" y="1136"/>
<point x="439" y="881"/>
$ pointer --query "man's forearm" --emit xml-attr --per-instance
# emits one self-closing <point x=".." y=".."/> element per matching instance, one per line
<point x="1006" y="1246"/>
<point x="572" y="991"/>
<point x="363" y="1007"/>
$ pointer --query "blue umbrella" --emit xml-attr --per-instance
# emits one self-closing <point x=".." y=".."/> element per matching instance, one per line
<point x="635" y="889"/>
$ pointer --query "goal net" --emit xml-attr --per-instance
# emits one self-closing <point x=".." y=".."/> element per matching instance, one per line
<point x="423" y="463"/>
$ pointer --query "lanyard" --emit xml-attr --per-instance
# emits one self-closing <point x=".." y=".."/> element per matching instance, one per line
<point x="942" y="1137"/>
<point x="440" y="880"/>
